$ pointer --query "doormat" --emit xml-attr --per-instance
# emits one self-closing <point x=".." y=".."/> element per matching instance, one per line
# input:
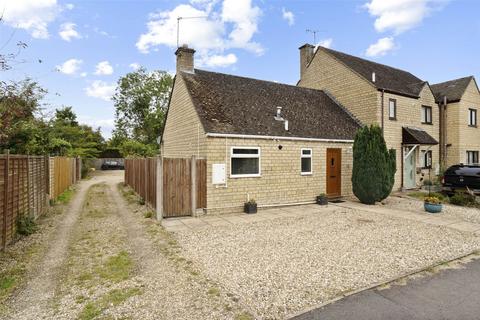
<point x="337" y="201"/>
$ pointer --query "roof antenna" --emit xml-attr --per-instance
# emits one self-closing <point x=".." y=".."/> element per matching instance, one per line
<point x="314" y="32"/>
<point x="178" y="25"/>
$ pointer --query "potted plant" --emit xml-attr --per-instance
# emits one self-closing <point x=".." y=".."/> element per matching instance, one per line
<point x="432" y="204"/>
<point x="250" y="206"/>
<point x="322" y="199"/>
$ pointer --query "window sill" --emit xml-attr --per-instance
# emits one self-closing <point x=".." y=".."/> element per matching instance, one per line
<point x="305" y="173"/>
<point x="236" y="176"/>
<point x="472" y="126"/>
<point x="392" y="119"/>
<point x="428" y="123"/>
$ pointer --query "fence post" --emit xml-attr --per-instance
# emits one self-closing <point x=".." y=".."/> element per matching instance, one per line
<point x="5" y="198"/>
<point x="47" y="176"/>
<point x="193" y="175"/>
<point x="159" y="194"/>
<point x="145" y="171"/>
<point x="29" y="186"/>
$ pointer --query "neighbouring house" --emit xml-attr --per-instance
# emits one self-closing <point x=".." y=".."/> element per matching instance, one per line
<point x="460" y="98"/>
<point x="403" y="105"/>
<point x="278" y="144"/>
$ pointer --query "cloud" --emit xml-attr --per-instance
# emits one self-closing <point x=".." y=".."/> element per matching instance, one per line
<point x="70" y="66"/>
<point x="326" y="43"/>
<point x="32" y="16"/>
<point x="381" y="47"/>
<point x="70" y="6"/>
<point x="401" y="15"/>
<point x="230" y="24"/>
<point x="288" y="15"/>
<point x="67" y="31"/>
<point x="103" y="68"/>
<point x="219" y="60"/>
<point x="100" y="89"/>
<point x="134" y="66"/>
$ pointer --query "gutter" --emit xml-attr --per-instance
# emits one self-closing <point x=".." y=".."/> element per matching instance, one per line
<point x="247" y="136"/>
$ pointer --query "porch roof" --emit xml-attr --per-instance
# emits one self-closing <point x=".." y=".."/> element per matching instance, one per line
<point x="417" y="136"/>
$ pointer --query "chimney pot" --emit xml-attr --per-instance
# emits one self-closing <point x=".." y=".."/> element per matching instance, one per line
<point x="185" y="61"/>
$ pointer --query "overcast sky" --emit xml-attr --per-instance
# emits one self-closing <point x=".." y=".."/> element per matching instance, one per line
<point x="85" y="46"/>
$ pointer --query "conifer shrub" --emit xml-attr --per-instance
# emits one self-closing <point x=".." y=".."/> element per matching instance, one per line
<point x="374" y="166"/>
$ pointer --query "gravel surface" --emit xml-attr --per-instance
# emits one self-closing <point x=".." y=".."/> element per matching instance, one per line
<point x="285" y="265"/>
<point x="149" y="278"/>
<point x="448" y="211"/>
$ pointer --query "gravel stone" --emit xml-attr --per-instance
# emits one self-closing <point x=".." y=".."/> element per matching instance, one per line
<point x="288" y="264"/>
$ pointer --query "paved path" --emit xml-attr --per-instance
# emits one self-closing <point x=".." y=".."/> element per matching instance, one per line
<point x="438" y="220"/>
<point x="450" y="294"/>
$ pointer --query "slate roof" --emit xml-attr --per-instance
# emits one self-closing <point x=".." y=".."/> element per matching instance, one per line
<point x="417" y="136"/>
<point x="452" y="89"/>
<point x="388" y="78"/>
<point x="236" y="105"/>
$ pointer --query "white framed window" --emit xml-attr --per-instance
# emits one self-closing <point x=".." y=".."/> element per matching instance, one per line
<point x="472" y="117"/>
<point x="244" y="162"/>
<point x="427" y="159"/>
<point x="392" y="109"/>
<point x="306" y="161"/>
<point x="426" y="115"/>
<point x="472" y="157"/>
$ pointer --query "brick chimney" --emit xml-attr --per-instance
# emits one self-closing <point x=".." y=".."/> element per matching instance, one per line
<point x="185" y="58"/>
<point x="306" y="54"/>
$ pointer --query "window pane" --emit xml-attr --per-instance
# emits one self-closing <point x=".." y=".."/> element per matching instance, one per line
<point x="423" y="115"/>
<point x="392" y="109"/>
<point x="306" y="165"/>
<point x="245" y="151"/>
<point x="245" y="166"/>
<point x="306" y="152"/>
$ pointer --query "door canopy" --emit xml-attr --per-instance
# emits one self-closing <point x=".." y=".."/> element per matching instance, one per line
<point x="416" y="136"/>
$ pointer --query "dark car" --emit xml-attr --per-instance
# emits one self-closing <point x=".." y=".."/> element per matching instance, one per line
<point x="461" y="177"/>
<point x="112" y="165"/>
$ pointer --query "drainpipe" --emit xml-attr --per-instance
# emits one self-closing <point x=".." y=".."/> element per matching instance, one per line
<point x="444" y="132"/>
<point x="383" y="111"/>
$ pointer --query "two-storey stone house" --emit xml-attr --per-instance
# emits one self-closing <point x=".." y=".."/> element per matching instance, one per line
<point x="400" y="103"/>
<point x="460" y="101"/>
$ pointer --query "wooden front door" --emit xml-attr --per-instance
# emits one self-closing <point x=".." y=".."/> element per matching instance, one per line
<point x="334" y="173"/>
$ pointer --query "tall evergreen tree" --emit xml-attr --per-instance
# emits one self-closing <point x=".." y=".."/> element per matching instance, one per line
<point x="373" y="166"/>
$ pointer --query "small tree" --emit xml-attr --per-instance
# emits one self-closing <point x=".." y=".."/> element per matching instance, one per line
<point x="374" y="166"/>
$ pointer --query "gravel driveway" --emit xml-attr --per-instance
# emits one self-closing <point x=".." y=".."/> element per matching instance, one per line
<point x="282" y="266"/>
<point x="448" y="211"/>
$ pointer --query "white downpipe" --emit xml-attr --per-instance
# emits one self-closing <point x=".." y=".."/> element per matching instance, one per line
<point x="246" y="136"/>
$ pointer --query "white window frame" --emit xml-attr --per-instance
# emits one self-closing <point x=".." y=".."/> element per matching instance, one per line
<point x="392" y="103"/>
<point x="472" y="152"/>
<point x="310" y="156"/>
<point x="232" y="156"/>
<point x="425" y="164"/>
<point x="472" y="111"/>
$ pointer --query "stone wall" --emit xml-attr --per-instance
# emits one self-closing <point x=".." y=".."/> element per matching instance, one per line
<point x="281" y="181"/>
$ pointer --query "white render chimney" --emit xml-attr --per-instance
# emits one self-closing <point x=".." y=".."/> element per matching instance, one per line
<point x="278" y="115"/>
<point x="286" y="125"/>
<point x="373" y="77"/>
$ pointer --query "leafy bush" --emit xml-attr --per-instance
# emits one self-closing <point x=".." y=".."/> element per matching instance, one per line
<point x="462" y="199"/>
<point x="26" y="225"/>
<point x="427" y="182"/>
<point x="148" y="214"/>
<point x="374" y="166"/>
<point x="141" y="201"/>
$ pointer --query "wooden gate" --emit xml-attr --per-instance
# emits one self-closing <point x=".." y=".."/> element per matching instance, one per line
<point x="183" y="183"/>
<point x="178" y="182"/>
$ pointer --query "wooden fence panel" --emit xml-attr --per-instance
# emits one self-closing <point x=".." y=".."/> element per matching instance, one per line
<point x="141" y="175"/>
<point x="24" y="187"/>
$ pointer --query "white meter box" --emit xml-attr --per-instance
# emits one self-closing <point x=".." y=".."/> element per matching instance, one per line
<point x="218" y="173"/>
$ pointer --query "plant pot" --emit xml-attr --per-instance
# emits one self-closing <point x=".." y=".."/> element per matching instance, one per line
<point x="433" y="207"/>
<point x="321" y="200"/>
<point x="250" y="208"/>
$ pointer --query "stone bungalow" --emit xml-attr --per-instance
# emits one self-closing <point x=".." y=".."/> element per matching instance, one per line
<point x="278" y="144"/>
